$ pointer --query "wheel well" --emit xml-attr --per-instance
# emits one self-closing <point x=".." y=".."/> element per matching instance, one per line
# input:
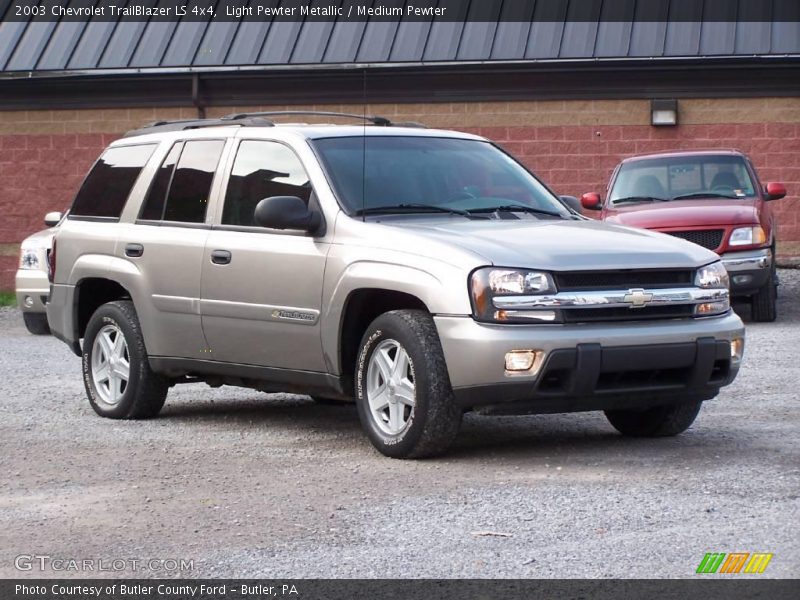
<point x="91" y="294"/>
<point x="362" y="308"/>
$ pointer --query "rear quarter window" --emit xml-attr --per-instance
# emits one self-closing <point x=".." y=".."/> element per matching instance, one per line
<point x="108" y="185"/>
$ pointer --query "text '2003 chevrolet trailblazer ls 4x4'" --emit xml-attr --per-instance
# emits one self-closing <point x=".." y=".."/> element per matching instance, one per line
<point x="421" y="273"/>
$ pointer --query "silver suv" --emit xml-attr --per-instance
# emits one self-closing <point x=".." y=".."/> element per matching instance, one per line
<point x="420" y="273"/>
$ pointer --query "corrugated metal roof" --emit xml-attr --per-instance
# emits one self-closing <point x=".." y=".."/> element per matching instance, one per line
<point x="508" y="31"/>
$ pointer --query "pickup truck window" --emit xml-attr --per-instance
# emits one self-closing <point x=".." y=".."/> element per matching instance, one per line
<point x="262" y="169"/>
<point x="105" y="190"/>
<point x="373" y="172"/>
<point x="679" y="178"/>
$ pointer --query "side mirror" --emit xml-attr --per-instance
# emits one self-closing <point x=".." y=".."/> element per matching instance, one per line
<point x="591" y="201"/>
<point x="572" y="202"/>
<point x="286" y="212"/>
<point x="52" y="219"/>
<point x="775" y="191"/>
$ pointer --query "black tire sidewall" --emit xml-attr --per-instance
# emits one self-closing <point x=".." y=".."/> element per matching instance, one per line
<point x="36" y="323"/>
<point x="111" y="314"/>
<point x="764" y="304"/>
<point x="383" y="328"/>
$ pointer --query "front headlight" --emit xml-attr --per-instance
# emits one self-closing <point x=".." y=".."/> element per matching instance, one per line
<point x="489" y="283"/>
<point x="747" y="236"/>
<point x="29" y="258"/>
<point x="712" y="276"/>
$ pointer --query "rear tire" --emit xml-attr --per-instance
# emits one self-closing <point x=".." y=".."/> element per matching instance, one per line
<point x="403" y="392"/>
<point x="660" y="421"/>
<point x="763" y="307"/>
<point x="116" y="372"/>
<point x="36" y="323"/>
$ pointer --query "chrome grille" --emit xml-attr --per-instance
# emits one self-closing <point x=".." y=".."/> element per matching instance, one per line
<point x="707" y="238"/>
<point x="621" y="295"/>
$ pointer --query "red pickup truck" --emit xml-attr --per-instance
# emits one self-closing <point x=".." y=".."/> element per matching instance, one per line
<point x="713" y="198"/>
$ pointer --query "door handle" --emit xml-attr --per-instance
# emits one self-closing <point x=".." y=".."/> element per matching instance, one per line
<point x="220" y="257"/>
<point x="134" y="250"/>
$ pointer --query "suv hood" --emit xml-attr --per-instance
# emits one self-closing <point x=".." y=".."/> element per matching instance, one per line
<point x="679" y="213"/>
<point x="558" y="245"/>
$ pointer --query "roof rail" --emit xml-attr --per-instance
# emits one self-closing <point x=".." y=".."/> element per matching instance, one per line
<point x="255" y="119"/>
<point x="184" y="124"/>
<point x="375" y="120"/>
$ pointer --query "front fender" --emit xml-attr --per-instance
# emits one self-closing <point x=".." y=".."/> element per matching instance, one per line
<point x="433" y="290"/>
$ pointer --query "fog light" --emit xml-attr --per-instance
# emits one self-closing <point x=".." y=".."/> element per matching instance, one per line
<point x="742" y="279"/>
<point x="737" y="348"/>
<point x="533" y="315"/>
<point x="524" y="362"/>
<point x="28" y="302"/>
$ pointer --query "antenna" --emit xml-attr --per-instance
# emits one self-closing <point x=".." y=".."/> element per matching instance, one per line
<point x="364" y="150"/>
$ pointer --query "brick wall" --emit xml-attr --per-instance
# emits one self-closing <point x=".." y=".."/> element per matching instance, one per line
<point x="572" y="145"/>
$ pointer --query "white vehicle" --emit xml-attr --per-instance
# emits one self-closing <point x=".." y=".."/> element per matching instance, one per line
<point x="32" y="285"/>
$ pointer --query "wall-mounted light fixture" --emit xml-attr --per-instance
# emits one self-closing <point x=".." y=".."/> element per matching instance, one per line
<point x="663" y="112"/>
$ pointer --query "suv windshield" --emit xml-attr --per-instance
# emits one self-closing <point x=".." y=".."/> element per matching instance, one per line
<point x="402" y="174"/>
<point x="682" y="178"/>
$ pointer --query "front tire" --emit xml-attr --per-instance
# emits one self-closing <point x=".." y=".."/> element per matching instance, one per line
<point x="403" y="392"/>
<point x="116" y="372"/>
<point x="36" y="323"/>
<point x="660" y="421"/>
<point x="763" y="307"/>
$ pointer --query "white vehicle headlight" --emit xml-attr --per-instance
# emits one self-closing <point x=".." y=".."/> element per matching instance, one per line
<point x="747" y="236"/>
<point x="29" y="258"/>
<point x="489" y="283"/>
<point x="712" y="276"/>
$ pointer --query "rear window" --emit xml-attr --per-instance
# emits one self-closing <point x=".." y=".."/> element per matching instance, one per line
<point x="108" y="185"/>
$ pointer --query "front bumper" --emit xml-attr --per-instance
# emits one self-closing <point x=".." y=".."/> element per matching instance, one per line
<point x="748" y="270"/>
<point x="33" y="290"/>
<point x="590" y="366"/>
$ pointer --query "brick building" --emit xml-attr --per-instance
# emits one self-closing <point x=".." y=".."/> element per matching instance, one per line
<point x="570" y="96"/>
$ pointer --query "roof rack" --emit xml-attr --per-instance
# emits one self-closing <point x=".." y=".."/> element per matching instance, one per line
<point x="375" y="120"/>
<point x="256" y="119"/>
<point x="184" y="124"/>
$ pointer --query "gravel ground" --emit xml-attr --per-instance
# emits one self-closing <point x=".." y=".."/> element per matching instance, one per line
<point x="253" y="485"/>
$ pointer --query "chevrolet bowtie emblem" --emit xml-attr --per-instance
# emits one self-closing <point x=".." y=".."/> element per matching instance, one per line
<point x="637" y="298"/>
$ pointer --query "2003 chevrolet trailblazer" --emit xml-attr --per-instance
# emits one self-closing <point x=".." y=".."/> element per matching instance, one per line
<point x="421" y="273"/>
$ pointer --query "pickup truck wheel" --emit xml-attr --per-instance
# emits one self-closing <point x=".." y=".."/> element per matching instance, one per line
<point x="36" y="323"/>
<point x="405" y="401"/>
<point x="661" y="421"/>
<point x="116" y="372"/>
<point x="763" y="304"/>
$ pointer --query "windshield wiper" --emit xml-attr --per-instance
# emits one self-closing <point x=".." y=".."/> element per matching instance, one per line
<point x="410" y="207"/>
<point x="639" y="199"/>
<point x="513" y="208"/>
<point x="705" y="195"/>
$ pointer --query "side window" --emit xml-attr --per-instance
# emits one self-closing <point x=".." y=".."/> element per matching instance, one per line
<point x="109" y="183"/>
<point x="181" y="187"/>
<point x="154" y="204"/>
<point x="262" y="169"/>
